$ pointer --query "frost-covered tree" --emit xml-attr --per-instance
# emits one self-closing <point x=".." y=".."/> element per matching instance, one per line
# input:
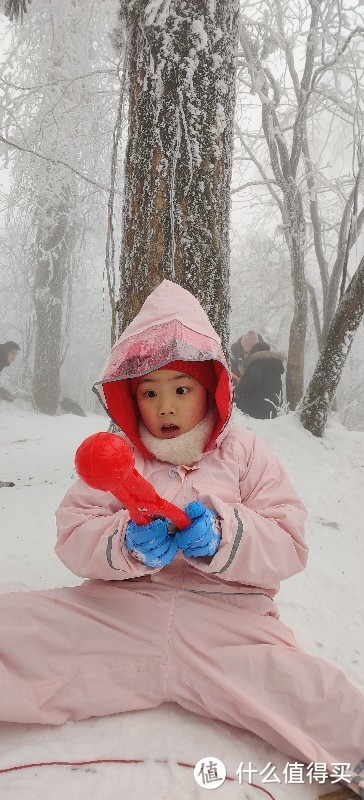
<point x="303" y="64"/>
<point x="181" y="91"/>
<point x="257" y="302"/>
<point x="56" y="127"/>
<point x="55" y="214"/>
<point x="321" y="390"/>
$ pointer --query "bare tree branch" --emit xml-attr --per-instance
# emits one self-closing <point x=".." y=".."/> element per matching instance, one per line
<point x="16" y="8"/>
<point x="251" y="183"/>
<point x="315" y="313"/>
<point x="259" y="167"/>
<point x="73" y="169"/>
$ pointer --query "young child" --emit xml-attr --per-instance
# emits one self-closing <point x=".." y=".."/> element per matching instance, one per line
<point x="184" y="616"/>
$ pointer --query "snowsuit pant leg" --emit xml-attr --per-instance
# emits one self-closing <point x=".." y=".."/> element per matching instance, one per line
<point x="74" y="653"/>
<point x="245" y="668"/>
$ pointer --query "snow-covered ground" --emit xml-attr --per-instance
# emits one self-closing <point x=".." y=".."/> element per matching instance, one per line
<point x="324" y="606"/>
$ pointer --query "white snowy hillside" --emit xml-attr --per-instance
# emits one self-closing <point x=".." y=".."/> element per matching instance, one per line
<point x="324" y="606"/>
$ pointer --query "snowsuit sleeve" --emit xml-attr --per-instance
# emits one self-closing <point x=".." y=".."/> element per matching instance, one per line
<point x="90" y="536"/>
<point x="263" y="535"/>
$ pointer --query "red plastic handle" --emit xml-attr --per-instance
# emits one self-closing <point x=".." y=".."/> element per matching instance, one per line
<point x="105" y="461"/>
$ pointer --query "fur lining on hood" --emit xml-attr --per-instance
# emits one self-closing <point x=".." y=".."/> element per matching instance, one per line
<point x="171" y="326"/>
<point x="263" y="355"/>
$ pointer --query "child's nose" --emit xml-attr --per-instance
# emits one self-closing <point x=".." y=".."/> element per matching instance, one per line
<point x="166" y="406"/>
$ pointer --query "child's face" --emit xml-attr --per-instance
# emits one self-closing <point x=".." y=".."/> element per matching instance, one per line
<point x="170" y="403"/>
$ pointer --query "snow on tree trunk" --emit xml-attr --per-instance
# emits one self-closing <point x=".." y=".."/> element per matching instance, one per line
<point x="321" y="390"/>
<point x="52" y="248"/>
<point x="56" y="117"/>
<point x="55" y="186"/>
<point x="182" y="62"/>
<point x="295" y="236"/>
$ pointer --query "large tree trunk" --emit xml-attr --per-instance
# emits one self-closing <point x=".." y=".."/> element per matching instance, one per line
<point x="179" y="153"/>
<point x="321" y="390"/>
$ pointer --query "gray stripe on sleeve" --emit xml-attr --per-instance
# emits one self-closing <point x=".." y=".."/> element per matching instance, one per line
<point x="237" y="540"/>
<point x="109" y="550"/>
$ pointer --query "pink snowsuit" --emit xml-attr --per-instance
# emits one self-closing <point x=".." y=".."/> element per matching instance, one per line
<point x="203" y="633"/>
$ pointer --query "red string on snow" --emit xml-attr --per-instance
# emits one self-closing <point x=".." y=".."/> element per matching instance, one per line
<point x="105" y="461"/>
<point x="115" y="761"/>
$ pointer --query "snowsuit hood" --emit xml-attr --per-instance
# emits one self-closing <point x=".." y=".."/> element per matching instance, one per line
<point x="170" y="326"/>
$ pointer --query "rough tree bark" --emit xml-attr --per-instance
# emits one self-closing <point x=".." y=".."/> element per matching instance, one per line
<point x="321" y="390"/>
<point x="181" y="77"/>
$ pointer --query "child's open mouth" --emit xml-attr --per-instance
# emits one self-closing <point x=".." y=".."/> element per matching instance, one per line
<point x="169" y="431"/>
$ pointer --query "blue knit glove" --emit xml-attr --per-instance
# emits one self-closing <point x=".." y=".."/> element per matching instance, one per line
<point x="202" y="537"/>
<point x="151" y="544"/>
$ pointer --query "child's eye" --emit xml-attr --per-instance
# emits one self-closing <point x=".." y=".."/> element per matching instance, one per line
<point x="182" y="390"/>
<point x="150" y="393"/>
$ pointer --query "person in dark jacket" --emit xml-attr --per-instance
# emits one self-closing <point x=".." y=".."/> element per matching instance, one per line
<point x="239" y="352"/>
<point x="259" y="390"/>
<point x="8" y="354"/>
